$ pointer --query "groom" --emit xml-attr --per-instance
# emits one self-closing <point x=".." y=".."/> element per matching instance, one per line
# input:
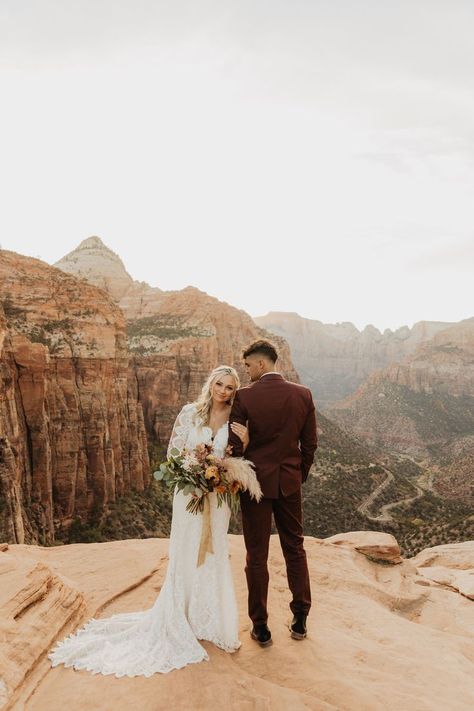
<point x="281" y="420"/>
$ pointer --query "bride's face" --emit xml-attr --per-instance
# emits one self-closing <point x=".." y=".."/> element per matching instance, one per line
<point x="223" y="389"/>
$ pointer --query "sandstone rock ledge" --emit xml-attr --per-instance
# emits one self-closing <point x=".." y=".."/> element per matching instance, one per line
<point x="385" y="633"/>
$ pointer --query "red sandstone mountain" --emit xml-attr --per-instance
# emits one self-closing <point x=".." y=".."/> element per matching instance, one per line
<point x="72" y="434"/>
<point x="176" y="337"/>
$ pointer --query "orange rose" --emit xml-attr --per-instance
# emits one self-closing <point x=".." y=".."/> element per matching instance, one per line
<point x="211" y="473"/>
<point x="220" y="489"/>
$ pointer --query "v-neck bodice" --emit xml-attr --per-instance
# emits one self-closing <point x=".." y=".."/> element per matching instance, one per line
<point x="198" y="434"/>
<point x="213" y="436"/>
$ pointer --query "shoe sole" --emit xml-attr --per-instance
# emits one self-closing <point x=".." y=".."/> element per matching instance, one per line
<point x="262" y="644"/>
<point x="297" y="635"/>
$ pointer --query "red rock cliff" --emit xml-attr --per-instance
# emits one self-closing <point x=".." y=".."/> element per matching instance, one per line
<point x="72" y="433"/>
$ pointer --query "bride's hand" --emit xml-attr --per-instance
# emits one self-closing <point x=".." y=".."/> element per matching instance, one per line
<point x="242" y="433"/>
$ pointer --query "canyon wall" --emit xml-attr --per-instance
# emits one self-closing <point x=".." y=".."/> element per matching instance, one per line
<point x="72" y="433"/>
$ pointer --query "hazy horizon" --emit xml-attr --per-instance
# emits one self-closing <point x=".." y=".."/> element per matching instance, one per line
<point x="310" y="157"/>
<point x="360" y="327"/>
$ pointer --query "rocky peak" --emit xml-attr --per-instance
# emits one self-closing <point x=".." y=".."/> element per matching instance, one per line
<point x="97" y="263"/>
<point x="371" y="333"/>
<point x="94" y="242"/>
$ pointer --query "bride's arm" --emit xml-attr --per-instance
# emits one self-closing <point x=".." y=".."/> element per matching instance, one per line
<point x="181" y="430"/>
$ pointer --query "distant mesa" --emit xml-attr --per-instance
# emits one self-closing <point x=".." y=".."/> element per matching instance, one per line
<point x="334" y="359"/>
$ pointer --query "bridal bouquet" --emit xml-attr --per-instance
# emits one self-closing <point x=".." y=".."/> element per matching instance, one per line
<point x="200" y="472"/>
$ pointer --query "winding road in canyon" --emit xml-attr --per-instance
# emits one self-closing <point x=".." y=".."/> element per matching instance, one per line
<point x="423" y="483"/>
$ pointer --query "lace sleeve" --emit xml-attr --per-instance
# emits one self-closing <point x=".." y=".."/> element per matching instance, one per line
<point x="181" y="429"/>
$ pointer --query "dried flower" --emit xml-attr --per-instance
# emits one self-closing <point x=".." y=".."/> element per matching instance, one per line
<point x="199" y="473"/>
<point x="234" y="487"/>
<point x="212" y="472"/>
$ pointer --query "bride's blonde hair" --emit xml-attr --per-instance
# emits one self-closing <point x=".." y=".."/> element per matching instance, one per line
<point x="204" y="402"/>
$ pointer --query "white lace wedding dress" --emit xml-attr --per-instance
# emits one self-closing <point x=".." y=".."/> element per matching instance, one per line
<point x="195" y="603"/>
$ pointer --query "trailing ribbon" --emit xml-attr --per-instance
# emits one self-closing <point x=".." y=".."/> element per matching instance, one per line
<point x="206" y="532"/>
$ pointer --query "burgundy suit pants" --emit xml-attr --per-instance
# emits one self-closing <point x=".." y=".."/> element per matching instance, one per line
<point x="257" y="523"/>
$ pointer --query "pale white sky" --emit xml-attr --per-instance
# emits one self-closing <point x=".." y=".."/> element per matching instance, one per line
<point x="310" y="156"/>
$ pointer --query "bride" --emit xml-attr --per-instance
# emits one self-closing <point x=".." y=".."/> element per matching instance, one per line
<point x="195" y="602"/>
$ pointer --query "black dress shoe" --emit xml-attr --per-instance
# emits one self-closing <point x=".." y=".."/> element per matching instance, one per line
<point x="298" y="627"/>
<point x="262" y="635"/>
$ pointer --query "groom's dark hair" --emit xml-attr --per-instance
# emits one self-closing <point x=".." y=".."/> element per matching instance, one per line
<point x="265" y="348"/>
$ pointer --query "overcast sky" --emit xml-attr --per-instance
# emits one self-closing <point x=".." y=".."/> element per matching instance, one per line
<point x="281" y="155"/>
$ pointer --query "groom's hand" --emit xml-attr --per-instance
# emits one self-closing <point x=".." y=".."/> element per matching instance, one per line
<point x="308" y="440"/>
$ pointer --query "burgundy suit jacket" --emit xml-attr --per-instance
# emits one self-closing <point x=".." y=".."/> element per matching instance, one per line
<point x="282" y="425"/>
